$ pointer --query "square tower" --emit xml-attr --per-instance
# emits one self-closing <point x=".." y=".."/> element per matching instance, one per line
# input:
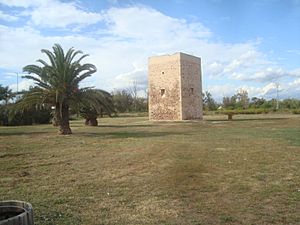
<point x="175" y="87"/>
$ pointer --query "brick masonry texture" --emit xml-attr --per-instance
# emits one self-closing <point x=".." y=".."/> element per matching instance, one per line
<point x="175" y="87"/>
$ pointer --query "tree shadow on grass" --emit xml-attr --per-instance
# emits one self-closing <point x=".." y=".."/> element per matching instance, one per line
<point x="125" y="125"/>
<point x="124" y="134"/>
<point x="245" y="119"/>
<point x="25" y="133"/>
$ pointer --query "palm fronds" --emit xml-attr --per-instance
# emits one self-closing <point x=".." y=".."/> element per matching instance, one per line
<point x="57" y="84"/>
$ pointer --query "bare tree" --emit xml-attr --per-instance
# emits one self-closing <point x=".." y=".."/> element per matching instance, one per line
<point x="133" y="90"/>
<point x="242" y="98"/>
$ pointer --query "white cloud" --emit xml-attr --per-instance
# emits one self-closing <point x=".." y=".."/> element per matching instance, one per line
<point x="22" y="3"/>
<point x="58" y="14"/>
<point x="17" y="46"/>
<point x="141" y="22"/>
<point x="220" y="91"/>
<point x="138" y="77"/>
<point x="128" y="36"/>
<point x="22" y="85"/>
<point x="271" y="74"/>
<point x="295" y="72"/>
<point x="294" y="51"/>
<point x="241" y="67"/>
<point x="7" y="17"/>
<point x="244" y="61"/>
<point x="268" y="89"/>
<point x="228" y="90"/>
<point x="54" y="13"/>
<point x="296" y="83"/>
<point x="290" y="89"/>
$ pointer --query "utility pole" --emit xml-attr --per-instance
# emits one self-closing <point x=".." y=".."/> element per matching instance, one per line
<point x="17" y="83"/>
<point x="277" y="96"/>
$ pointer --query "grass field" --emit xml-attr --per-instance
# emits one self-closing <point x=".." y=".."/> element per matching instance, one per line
<point x="132" y="171"/>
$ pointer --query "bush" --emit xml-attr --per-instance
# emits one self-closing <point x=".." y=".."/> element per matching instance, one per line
<point x="296" y="111"/>
<point x="26" y="117"/>
<point x="243" y="111"/>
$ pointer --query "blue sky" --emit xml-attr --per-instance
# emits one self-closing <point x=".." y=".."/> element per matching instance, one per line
<point x="250" y="45"/>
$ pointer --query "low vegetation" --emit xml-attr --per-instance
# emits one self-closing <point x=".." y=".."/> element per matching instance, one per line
<point x="132" y="171"/>
<point x="296" y="111"/>
<point x="241" y="102"/>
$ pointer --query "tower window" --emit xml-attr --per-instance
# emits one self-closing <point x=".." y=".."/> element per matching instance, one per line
<point x="162" y="72"/>
<point x="162" y="92"/>
<point x="192" y="90"/>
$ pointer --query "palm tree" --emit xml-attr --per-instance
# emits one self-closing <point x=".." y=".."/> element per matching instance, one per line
<point x="57" y="84"/>
<point x="5" y="94"/>
<point x="90" y="113"/>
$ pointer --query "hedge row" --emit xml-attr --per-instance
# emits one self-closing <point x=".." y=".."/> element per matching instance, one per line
<point x="243" y="111"/>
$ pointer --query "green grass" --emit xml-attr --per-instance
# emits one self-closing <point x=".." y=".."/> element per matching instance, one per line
<point x="132" y="171"/>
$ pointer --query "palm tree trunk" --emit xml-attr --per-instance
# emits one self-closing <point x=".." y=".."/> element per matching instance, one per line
<point x="54" y="122"/>
<point x="62" y="117"/>
<point x="91" y="121"/>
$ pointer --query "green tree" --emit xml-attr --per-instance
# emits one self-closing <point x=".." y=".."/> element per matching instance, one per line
<point x="208" y="101"/>
<point x="242" y="99"/>
<point x="257" y="102"/>
<point x="229" y="102"/>
<point x="290" y="103"/>
<point x="129" y="101"/>
<point x="123" y="100"/>
<point x="5" y="94"/>
<point x="57" y="84"/>
<point x="24" y="117"/>
<point x="90" y="113"/>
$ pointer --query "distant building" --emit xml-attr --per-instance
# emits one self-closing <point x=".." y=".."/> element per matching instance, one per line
<point x="175" y="87"/>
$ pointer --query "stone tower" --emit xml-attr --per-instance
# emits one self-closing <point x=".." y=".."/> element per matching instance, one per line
<point x="175" y="87"/>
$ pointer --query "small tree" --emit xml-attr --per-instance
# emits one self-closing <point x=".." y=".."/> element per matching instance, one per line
<point x="122" y="100"/>
<point x="229" y="102"/>
<point x="257" y="102"/>
<point x="133" y="91"/>
<point x="209" y="102"/>
<point x="291" y="103"/>
<point x="5" y="94"/>
<point x="242" y="99"/>
<point x="90" y="112"/>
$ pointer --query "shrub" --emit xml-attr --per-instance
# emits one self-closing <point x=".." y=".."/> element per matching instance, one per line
<point x="296" y="111"/>
<point x="243" y="111"/>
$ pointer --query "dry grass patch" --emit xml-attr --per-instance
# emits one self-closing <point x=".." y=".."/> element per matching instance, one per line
<point x="132" y="171"/>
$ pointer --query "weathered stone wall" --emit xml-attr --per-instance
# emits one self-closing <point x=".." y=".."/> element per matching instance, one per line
<point x="175" y="87"/>
<point x="191" y="87"/>
<point x="164" y="74"/>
